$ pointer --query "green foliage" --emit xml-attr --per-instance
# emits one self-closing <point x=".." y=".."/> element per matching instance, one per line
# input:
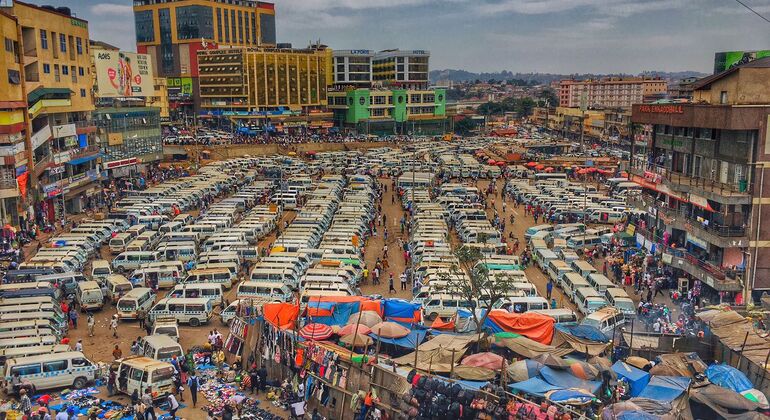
<point x="522" y="107"/>
<point x="465" y="126"/>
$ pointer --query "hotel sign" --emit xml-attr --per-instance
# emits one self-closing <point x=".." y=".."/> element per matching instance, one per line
<point x="661" y="109"/>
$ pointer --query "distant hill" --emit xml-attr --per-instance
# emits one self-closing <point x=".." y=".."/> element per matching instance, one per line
<point x="545" y="78"/>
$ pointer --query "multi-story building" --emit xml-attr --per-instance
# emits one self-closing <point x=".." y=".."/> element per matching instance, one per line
<point x="681" y="89"/>
<point x="611" y="92"/>
<point x="56" y="81"/>
<point x="353" y="68"/>
<point x="267" y="88"/>
<point x="173" y="31"/>
<point x="160" y="98"/>
<point x="13" y="124"/>
<point x="616" y="125"/>
<point x="703" y="171"/>
<point x="397" y="111"/>
<point x="403" y="69"/>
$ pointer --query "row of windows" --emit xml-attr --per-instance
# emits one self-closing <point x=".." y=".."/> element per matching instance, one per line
<point x="245" y="31"/>
<point x="62" y="42"/>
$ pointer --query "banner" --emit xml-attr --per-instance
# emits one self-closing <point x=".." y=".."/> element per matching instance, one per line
<point x="122" y="74"/>
<point x="21" y="180"/>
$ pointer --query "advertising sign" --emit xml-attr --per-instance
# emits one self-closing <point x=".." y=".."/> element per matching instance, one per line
<point x="122" y="74"/>
<point x="729" y="59"/>
<point x="180" y="86"/>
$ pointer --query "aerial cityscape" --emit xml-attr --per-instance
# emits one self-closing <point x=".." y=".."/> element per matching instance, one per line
<point x="417" y="209"/>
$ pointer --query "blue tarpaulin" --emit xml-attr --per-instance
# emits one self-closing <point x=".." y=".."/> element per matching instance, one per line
<point x="636" y="378"/>
<point x="341" y="312"/>
<point x="665" y="388"/>
<point x="397" y="308"/>
<point x="534" y="386"/>
<point x="636" y="415"/>
<point x="564" y="379"/>
<point x="584" y="331"/>
<point x="409" y="342"/>
<point x="570" y="395"/>
<point x="728" y="377"/>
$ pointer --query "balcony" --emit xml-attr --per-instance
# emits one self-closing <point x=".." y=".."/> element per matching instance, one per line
<point x="85" y="127"/>
<point x="725" y="193"/>
<point x="709" y="272"/>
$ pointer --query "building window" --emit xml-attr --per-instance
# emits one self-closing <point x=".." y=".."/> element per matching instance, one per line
<point x="56" y="73"/>
<point x="193" y="22"/>
<point x="9" y="45"/>
<point x="254" y="39"/>
<point x="233" y="27"/>
<point x="79" y="46"/>
<point x="43" y="39"/>
<point x="723" y="97"/>
<point x="166" y="48"/>
<point x="14" y="77"/>
<point x="145" y="27"/>
<point x="82" y="93"/>
<point x="65" y="70"/>
<point x="219" y="24"/>
<point x="63" y="43"/>
<point x="267" y="28"/>
<point x="81" y="72"/>
<point x="227" y="27"/>
<point x="240" y="27"/>
<point x="46" y="68"/>
<point x="73" y="72"/>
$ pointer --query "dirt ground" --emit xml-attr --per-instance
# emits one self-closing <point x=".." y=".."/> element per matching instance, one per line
<point x="99" y="347"/>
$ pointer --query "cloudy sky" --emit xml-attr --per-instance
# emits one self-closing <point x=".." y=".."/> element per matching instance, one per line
<point x="558" y="36"/>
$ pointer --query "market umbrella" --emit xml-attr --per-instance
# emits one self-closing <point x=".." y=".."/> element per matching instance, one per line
<point x="486" y="360"/>
<point x="551" y="361"/>
<point x="540" y="167"/>
<point x="549" y="169"/>
<point x="501" y="163"/>
<point x="354" y="329"/>
<point x="531" y="164"/>
<point x="583" y="370"/>
<point x="637" y="362"/>
<point x="368" y="318"/>
<point x="292" y="153"/>
<point x="491" y="161"/>
<point x="601" y="363"/>
<point x="356" y="340"/>
<point x="390" y="330"/>
<point x="316" y="331"/>
<point x="522" y="370"/>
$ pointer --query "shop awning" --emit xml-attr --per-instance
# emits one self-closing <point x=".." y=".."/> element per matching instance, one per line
<point x="84" y="159"/>
<point x="39" y="93"/>
<point x="701" y="202"/>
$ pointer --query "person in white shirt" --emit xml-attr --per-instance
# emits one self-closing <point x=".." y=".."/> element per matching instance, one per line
<point x="79" y="345"/>
<point x="173" y="405"/>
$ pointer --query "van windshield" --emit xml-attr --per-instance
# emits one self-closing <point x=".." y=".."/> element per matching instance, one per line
<point x="168" y="353"/>
<point x="126" y="304"/>
<point x="123" y="288"/>
<point x="163" y="374"/>
<point x="99" y="271"/>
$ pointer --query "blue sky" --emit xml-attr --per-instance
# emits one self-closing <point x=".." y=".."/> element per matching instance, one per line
<point x="557" y="36"/>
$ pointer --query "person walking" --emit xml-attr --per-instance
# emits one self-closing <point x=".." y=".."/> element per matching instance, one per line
<point x="403" y="281"/>
<point x="391" y="288"/>
<point x="111" y="379"/>
<point x="79" y="346"/>
<point x="74" y="318"/>
<point x="149" y="410"/>
<point x="548" y="289"/>
<point x="25" y="403"/>
<point x="140" y="315"/>
<point x="91" y="322"/>
<point x="114" y="326"/>
<point x="173" y="405"/>
<point x="117" y="353"/>
<point x="193" y="383"/>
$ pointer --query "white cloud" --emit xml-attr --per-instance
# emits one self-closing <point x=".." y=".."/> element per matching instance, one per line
<point x="112" y="9"/>
<point x="620" y="8"/>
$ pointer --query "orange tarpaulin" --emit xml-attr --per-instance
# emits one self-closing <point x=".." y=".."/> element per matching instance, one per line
<point x="281" y="315"/>
<point x="440" y="324"/>
<point x="532" y="325"/>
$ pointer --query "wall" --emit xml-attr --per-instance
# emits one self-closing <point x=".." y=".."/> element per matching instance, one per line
<point x="37" y="18"/>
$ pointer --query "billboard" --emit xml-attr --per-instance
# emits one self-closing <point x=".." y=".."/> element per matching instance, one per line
<point x="122" y="74"/>
<point x="179" y="87"/>
<point x="729" y="59"/>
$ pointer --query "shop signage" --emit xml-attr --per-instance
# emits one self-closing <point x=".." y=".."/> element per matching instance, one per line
<point x="661" y="109"/>
<point x="55" y="170"/>
<point x="62" y="157"/>
<point x="118" y="163"/>
<point x="66" y="130"/>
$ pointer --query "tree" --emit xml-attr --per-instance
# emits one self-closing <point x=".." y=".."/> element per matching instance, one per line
<point x="472" y="282"/>
<point x="525" y="107"/>
<point x="547" y="96"/>
<point x="464" y="126"/>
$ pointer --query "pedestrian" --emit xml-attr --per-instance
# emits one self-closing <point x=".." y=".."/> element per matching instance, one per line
<point x="548" y="289"/>
<point x="193" y="383"/>
<point x="254" y="376"/>
<point x="149" y="410"/>
<point x="391" y="288"/>
<point x="111" y="383"/>
<point x="173" y="405"/>
<point x="79" y="345"/>
<point x="140" y="316"/>
<point x="114" y="326"/>
<point x="91" y="322"/>
<point x="117" y="353"/>
<point x="403" y="281"/>
<point x="25" y="403"/>
<point x="74" y="318"/>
